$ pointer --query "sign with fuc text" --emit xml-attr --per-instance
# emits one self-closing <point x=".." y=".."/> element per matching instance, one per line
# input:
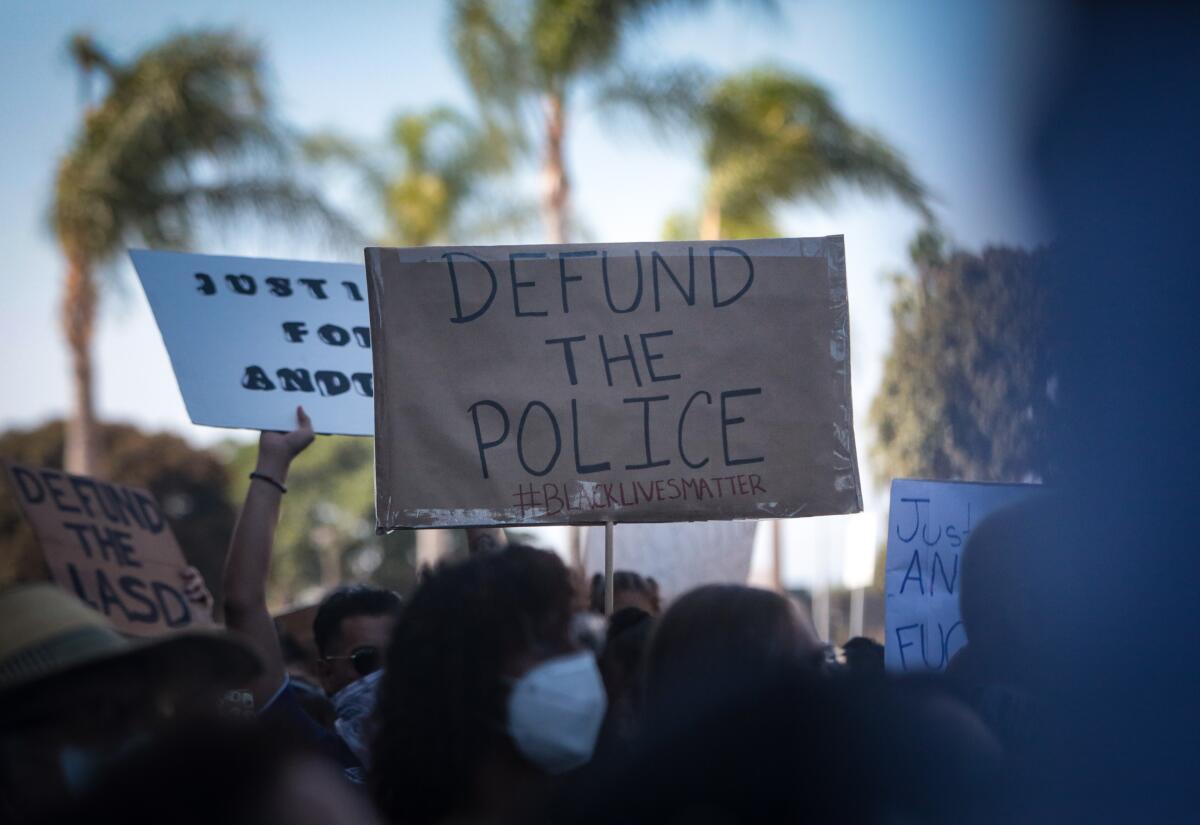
<point x="624" y="382"/>
<point x="928" y="528"/>
<point x="250" y="339"/>
<point x="109" y="545"/>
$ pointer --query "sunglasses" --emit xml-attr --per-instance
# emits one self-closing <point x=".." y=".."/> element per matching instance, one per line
<point x="365" y="660"/>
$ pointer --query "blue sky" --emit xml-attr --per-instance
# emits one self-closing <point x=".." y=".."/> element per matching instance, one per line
<point x="951" y="84"/>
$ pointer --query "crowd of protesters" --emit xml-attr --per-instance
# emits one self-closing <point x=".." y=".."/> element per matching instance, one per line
<point x="497" y="692"/>
<point x="488" y="696"/>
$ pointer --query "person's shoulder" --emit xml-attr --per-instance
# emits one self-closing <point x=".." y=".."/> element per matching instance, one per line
<point x="282" y="702"/>
<point x="285" y="709"/>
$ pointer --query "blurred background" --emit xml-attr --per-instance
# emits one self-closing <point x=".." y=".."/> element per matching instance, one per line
<point x="305" y="130"/>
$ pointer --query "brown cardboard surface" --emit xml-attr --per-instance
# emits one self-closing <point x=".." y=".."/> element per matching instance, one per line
<point x="726" y="392"/>
<point x="109" y="545"/>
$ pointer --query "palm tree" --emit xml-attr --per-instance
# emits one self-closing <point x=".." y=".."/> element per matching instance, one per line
<point x="526" y="61"/>
<point x="772" y="137"/>
<point x="428" y="182"/>
<point x="184" y="131"/>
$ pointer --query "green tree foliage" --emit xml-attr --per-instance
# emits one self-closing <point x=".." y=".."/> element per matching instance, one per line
<point x="184" y="132"/>
<point x="431" y="180"/>
<point x="968" y="386"/>
<point x="770" y="137"/>
<point x="190" y="484"/>
<point x="326" y="533"/>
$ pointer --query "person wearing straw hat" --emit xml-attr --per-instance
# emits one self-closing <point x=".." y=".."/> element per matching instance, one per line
<point x="75" y="693"/>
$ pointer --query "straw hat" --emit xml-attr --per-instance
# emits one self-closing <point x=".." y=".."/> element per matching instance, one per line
<point x="48" y="636"/>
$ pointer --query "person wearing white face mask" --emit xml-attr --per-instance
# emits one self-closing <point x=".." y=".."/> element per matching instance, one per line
<point x="489" y="699"/>
<point x="555" y="711"/>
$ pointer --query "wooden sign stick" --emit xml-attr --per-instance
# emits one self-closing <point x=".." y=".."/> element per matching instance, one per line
<point x="608" y="568"/>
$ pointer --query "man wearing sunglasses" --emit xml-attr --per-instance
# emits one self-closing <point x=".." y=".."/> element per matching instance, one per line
<point x="351" y="631"/>
<point x="351" y="628"/>
<point x="363" y="660"/>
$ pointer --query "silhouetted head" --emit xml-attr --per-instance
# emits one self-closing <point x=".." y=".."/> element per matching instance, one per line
<point x="864" y="657"/>
<point x="630" y="589"/>
<point x="471" y="629"/>
<point x="739" y="632"/>
<point x="75" y="693"/>
<point x="621" y="665"/>
<point x="226" y="772"/>
<point x="1009" y="599"/>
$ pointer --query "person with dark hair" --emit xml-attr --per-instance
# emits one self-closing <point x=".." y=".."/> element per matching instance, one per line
<point x="863" y="657"/>
<point x="351" y="630"/>
<point x="221" y="773"/>
<point x="1006" y="644"/>
<point x="778" y="749"/>
<point x="485" y="696"/>
<point x="752" y="632"/>
<point x="742" y="726"/>
<point x="621" y="665"/>
<point x="351" y="627"/>
<point x="630" y="589"/>
<point x="1010" y="656"/>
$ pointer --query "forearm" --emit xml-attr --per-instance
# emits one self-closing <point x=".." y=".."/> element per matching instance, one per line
<point x="247" y="569"/>
<point x="248" y="564"/>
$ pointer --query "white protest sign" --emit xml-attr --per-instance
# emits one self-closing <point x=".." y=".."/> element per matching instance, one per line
<point x="679" y="557"/>
<point x="826" y="552"/>
<point x="928" y="527"/>
<point x="252" y="338"/>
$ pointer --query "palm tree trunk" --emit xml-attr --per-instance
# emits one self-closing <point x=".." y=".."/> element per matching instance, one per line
<point x="710" y="220"/>
<point x="82" y="453"/>
<point x="575" y="547"/>
<point x="556" y="189"/>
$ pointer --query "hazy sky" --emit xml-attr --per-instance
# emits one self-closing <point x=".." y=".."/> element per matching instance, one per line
<point x="948" y="83"/>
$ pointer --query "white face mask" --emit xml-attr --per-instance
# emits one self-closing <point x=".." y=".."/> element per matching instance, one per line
<point x="555" y="711"/>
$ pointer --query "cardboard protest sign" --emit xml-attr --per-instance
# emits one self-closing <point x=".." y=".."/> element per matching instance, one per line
<point x="928" y="528"/>
<point x="109" y="545"/>
<point x="679" y="557"/>
<point x="624" y="382"/>
<point x="252" y="338"/>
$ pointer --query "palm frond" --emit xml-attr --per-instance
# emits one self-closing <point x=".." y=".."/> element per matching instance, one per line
<point x="567" y="37"/>
<point x="866" y="161"/>
<point x="273" y="200"/>
<point x="491" y="54"/>
<point x="772" y="137"/>
<point x="668" y="100"/>
<point x="88" y="56"/>
<point x="496" y="216"/>
<point x="194" y="103"/>
<point x="330" y="148"/>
